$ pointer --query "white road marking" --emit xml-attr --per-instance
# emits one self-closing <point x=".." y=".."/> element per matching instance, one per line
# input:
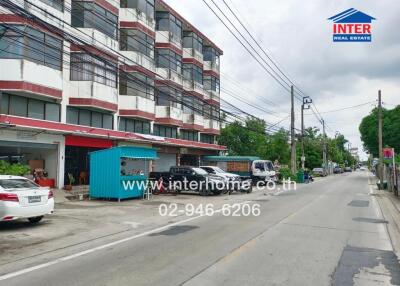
<point x="101" y="247"/>
<point x="132" y="224"/>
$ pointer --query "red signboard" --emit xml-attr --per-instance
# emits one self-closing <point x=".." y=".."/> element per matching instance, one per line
<point x="80" y="141"/>
<point x="388" y="153"/>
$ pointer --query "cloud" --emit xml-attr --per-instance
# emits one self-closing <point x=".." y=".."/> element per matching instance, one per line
<point x="298" y="36"/>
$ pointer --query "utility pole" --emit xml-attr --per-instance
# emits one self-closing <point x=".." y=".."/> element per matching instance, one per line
<point x="306" y="101"/>
<point x="324" y="146"/>
<point x="292" y="135"/>
<point x="303" y="158"/>
<point x="380" y="166"/>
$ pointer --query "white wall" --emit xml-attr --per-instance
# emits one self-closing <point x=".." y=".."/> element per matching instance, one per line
<point x="25" y="70"/>
<point x="136" y="103"/>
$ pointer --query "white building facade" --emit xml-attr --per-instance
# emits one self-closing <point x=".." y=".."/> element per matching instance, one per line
<point x="79" y="76"/>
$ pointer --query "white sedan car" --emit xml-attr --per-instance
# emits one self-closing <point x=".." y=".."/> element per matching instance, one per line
<point x="221" y="173"/>
<point x="21" y="198"/>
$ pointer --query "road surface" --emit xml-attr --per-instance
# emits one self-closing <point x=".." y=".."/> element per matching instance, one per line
<point x="330" y="232"/>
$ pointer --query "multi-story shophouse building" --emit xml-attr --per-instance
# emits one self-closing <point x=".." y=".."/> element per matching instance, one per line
<point x="82" y="75"/>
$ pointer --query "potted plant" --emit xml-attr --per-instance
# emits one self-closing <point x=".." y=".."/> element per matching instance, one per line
<point x="71" y="181"/>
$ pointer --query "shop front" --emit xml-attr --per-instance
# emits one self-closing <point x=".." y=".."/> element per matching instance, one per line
<point x="167" y="158"/>
<point x="77" y="158"/>
<point x="41" y="151"/>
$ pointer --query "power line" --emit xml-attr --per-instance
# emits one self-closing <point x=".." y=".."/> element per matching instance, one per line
<point x="255" y="41"/>
<point x="247" y="49"/>
<point x="346" y="108"/>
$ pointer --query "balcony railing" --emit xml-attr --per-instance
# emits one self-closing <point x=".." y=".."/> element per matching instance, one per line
<point x="169" y="112"/>
<point x="136" y="58"/>
<point x="93" y="90"/>
<point x="193" y="119"/>
<point x="211" y="125"/>
<point x="169" y="74"/>
<point x="134" y="15"/>
<point x="136" y="102"/>
<point x="193" y="86"/>
<point x="168" y="37"/>
<point x="211" y="66"/>
<point x="26" y="71"/>
<point x="98" y="39"/>
<point x="190" y="53"/>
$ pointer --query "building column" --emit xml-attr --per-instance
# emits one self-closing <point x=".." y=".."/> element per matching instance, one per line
<point x="61" y="164"/>
<point x="151" y="127"/>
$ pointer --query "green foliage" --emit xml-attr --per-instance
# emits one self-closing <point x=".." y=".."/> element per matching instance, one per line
<point x="286" y="173"/>
<point x="71" y="179"/>
<point x="13" y="169"/>
<point x="390" y="129"/>
<point x="278" y="147"/>
<point x="250" y="139"/>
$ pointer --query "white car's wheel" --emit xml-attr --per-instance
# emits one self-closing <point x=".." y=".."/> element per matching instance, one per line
<point x="35" y="219"/>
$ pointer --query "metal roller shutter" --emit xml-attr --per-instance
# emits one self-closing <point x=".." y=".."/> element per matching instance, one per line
<point x="164" y="162"/>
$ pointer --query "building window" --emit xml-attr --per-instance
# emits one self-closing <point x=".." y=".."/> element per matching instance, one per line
<point x="145" y="6"/>
<point x="23" y="42"/>
<point x="56" y="4"/>
<point x="90" y="15"/>
<point x="91" y="118"/>
<point x="28" y="107"/>
<point x="210" y="55"/>
<point x="192" y="41"/>
<point x="211" y="112"/>
<point x="36" y="109"/>
<point x="211" y="83"/>
<point x="85" y="67"/>
<point x="133" y="125"/>
<point x="167" y="22"/>
<point x="166" y="96"/>
<point x="136" y="84"/>
<point x="193" y="73"/>
<point x="165" y="131"/>
<point x="192" y="105"/>
<point x="215" y="115"/>
<point x="168" y="59"/>
<point x="207" y="138"/>
<point x="189" y="135"/>
<point x="137" y="41"/>
<point x="52" y="112"/>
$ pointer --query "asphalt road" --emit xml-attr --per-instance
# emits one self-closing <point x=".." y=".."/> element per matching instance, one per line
<point x="330" y="232"/>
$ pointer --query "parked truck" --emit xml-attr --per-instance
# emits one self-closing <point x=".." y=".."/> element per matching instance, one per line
<point x="246" y="166"/>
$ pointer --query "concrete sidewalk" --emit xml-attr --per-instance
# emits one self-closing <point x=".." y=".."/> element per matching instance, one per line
<point x="390" y="207"/>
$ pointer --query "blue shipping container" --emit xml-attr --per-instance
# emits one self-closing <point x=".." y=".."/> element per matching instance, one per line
<point x="120" y="172"/>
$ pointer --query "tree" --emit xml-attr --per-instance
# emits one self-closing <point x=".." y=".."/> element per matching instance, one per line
<point x="278" y="147"/>
<point x="250" y="139"/>
<point x="390" y="129"/>
<point x="245" y="140"/>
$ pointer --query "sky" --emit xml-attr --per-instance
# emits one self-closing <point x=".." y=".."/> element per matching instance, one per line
<point x="298" y="37"/>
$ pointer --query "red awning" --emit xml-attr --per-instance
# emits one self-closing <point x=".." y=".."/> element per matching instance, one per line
<point x="71" y="140"/>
